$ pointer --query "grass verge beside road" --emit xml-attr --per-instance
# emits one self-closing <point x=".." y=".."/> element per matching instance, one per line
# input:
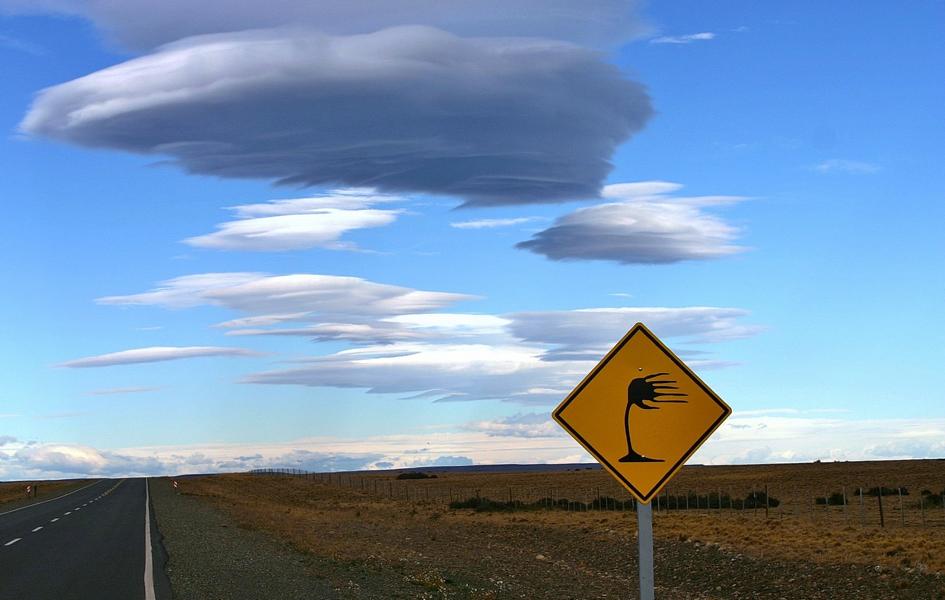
<point x="13" y="493"/>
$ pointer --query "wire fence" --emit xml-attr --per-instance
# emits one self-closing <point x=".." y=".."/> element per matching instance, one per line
<point x="865" y="506"/>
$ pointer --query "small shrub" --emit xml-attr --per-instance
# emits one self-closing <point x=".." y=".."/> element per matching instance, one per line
<point x="759" y="499"/>
<point x="416" y="475"/>
<point x="486" y="505"/>
<point x="932" y="500"/>
<point x="885" y="491"/>
<point x="834" y="499"/>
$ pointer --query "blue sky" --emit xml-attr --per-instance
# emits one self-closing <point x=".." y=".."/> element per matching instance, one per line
<point x="782" y="229"/>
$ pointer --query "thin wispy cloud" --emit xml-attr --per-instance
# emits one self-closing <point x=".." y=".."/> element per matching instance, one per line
<point x="121" y="391"/>
<point x="684" y="39"/>
<point x="154" y="354"/>
<point x="839" y="165"/>
<point x="20" y="45"/>
<point x="302" y="223"/>
<point x="270" y="298"/>
<point x="494" y="223"/>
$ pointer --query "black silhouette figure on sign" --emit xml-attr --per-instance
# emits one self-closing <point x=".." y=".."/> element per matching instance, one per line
<point x="640" y="391"/>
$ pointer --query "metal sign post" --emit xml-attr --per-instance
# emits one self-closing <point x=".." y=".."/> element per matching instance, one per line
<point x="645" y="541"/>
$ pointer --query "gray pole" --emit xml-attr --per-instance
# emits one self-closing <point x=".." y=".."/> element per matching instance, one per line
<point x="645" y="539"/>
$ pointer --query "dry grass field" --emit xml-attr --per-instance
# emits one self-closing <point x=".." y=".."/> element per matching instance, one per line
<point x="14" y="492"/>
<point x="406" y="527"/>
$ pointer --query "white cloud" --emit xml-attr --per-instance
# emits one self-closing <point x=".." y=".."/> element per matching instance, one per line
<point x="839" y="165"/>
<point x="424" y="326"/>
<point x="23" y="461"/>
<point x="404" y="345"/>
<point x="752" y="437"/>
<point x="588" y="333"/>
<point x="522" y="425"/>
<point x="493" y="223"/>
<point x="528" y="358"/>
<point x="146" y="23"/>
<point x="642" y="228"/>
<point x="489" y="120"/>
<point x="298" y="224"/>
<point x="154" y="354"/>
<point x="275" y="298"/>
<point x="376" y="332"/>
<point x="453" y="325"/>
<point x="684" y="39"/>
<point x="444" y="371"/>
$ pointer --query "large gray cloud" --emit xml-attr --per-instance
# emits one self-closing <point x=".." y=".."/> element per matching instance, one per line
<point x="489" y="120"/>
<point x="149" y="23"/>
<point x="644" y="225"/>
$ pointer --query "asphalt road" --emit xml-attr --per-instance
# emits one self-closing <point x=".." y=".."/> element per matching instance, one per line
<point x="90" y="543"/>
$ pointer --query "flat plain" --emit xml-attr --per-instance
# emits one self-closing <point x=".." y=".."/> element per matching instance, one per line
<point x="571" y="533"/>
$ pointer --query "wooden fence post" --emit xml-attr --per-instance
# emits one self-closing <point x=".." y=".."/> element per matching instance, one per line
<point x="902" y="515"/>
<point x="862" y="521"/>
<point x="846" y="515"/>
<point x="879" y="496"/>
<point x="767" y="502"/>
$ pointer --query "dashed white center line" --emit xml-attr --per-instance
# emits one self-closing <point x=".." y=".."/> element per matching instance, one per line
<point x="13" y="541"/>
<point x="37" y="529"/>
<point x="54" y="520"/>
<point x="68" y="513"/>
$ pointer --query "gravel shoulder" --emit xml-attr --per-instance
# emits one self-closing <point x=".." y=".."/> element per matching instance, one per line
<point x="210" y="558"/>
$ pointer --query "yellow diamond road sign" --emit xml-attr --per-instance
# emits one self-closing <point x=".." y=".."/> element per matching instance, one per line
<point x="641" y="412"/>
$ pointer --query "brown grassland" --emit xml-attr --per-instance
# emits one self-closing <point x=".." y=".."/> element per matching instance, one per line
<point x="408" y="525"/>
<point x="14" y="492"/>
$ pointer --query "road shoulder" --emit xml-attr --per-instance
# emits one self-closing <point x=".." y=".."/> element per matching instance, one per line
<point x="210" y="557"/>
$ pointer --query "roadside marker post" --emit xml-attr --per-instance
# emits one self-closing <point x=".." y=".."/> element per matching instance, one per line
<point x="642" y="413"/>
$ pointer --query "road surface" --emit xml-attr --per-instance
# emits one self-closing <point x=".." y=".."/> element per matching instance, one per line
<point x="98" y="542"/>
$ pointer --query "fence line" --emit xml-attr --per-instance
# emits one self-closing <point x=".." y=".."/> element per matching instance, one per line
<point x="877" y="506"/>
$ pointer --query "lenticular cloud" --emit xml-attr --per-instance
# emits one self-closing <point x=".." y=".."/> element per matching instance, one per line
<point x="489" y="120"/>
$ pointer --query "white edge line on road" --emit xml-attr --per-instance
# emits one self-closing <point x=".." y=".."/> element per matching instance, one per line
<point x="37" y="529"/>
<point x="13" y="541"/>
<point x="51" y="499"/>
<point x="148" y="562"/>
